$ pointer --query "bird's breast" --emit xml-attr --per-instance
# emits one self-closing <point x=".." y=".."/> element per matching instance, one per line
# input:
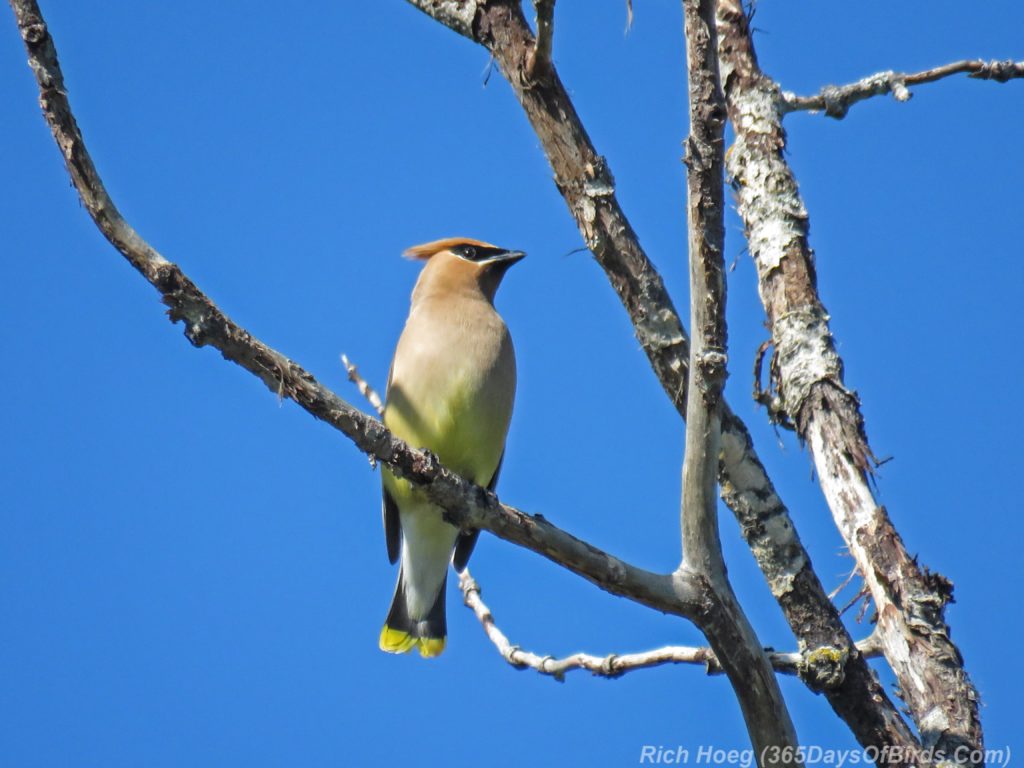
<point x="452" y="387"/>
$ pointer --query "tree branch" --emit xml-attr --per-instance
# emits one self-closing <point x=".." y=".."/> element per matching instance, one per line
<point x="727" y="629"/>
<point x="835" y="101"/>
<point x="910" y="601"/>
<point x="612" y="665"/>
<point x="617" y="664"/>
<point x="468" y="505"/>
<point x="582" y="176"/>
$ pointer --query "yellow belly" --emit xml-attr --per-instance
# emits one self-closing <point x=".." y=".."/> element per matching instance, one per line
<point x="465" y="427"/>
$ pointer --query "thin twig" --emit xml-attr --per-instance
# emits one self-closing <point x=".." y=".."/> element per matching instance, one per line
<point x="835" y="101"/>
<point x="849" y="577"/>
<point x="617" y="664"/>
<point x="611" y="665"/>
<point x="361" y="384"/>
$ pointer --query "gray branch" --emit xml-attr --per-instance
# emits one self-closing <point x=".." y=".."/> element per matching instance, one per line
<point x="808" y="376"/>
<point x="614" y="664"/>
<point x="468" y="505"/>
<point x="835" y="101"/>
<point x="727" y="629"/>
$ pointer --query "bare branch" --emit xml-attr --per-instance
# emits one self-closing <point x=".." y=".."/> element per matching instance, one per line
<point x="612" y="665"/>
<point x="539" y="60"/>
<point x="835" y="101"/>
<point x="727" y="629"/>
<point x="616" y="664"/>
<point x="910" y="601"/>
<point x="702" y="550"/>
<point x="468" y="505"/>
<point x="587" y="185"/>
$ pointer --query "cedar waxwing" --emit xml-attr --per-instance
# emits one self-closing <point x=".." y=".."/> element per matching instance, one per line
<point x="450" y="390"/>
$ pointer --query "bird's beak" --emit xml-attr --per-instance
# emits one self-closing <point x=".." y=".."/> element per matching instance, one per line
<point x="507" y="257"/>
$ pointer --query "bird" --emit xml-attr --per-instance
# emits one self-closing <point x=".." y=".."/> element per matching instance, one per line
<point x="450" y="390"/>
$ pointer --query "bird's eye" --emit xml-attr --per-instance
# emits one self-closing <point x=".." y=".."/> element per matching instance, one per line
<point x="469" y="252"/>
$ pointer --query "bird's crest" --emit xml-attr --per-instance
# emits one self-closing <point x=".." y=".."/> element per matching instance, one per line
<point x="426" y="250"/>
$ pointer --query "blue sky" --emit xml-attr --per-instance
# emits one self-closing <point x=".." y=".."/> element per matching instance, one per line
<point x="194" y="573"/>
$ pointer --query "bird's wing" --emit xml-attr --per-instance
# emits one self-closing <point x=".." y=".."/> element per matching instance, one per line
<point x="392" y="526"/>
<point x="467" y="539"/>
<point x="389" y="509"/>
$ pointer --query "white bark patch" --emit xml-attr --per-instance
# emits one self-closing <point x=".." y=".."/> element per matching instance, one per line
<point x="758" y="109"/>
<point x="660" y="329"/>
<point x="777" y="534"/>
<point x="769" y="200"/>
<point x="588" y="210"/>
<point x="780" y="538"/>
<point x="771" y="241"/>
<point x="598" y="188"/>
<point x="806" y="355"/>
<point x="457" y="14"/>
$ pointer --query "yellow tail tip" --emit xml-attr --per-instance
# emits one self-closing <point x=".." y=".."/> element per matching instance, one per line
<point x="398" y="641"/>
<point x="431" y="647"/>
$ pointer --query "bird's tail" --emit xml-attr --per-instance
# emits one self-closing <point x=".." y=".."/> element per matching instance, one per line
<point x="402" y="633"/>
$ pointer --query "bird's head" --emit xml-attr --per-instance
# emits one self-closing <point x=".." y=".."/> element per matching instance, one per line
<point x="462" y="264"/>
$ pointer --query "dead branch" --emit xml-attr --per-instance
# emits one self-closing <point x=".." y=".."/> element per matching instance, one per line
<point x="835" y="101"/>
<point x="612" y="665"/>
<point x="616" y="664"/>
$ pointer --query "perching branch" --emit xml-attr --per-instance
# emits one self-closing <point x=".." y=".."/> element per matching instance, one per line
<point x="835" y="101"/>
<point x="612" y="665"/>
<point x="910" y="601"/>
<point x="727" y="629"/>
<point x="468" y="505"/>
<point x="586" y="184"/>
<point x="616" y="664"/>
